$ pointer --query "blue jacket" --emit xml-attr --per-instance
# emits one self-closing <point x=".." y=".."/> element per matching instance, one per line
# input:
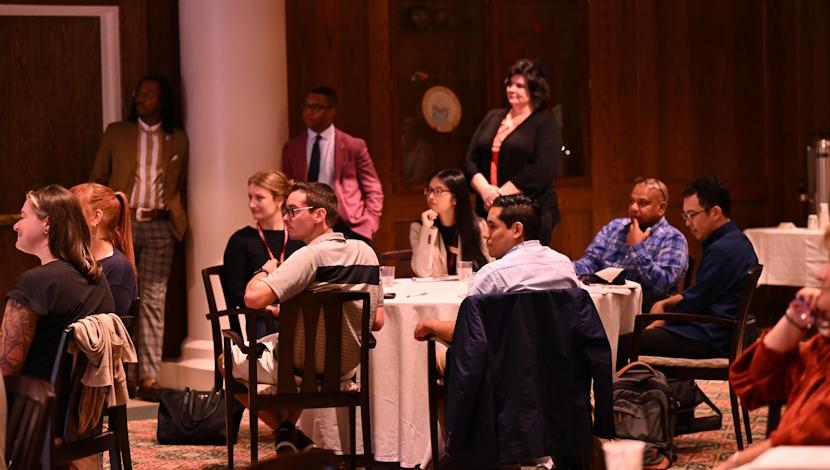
<point x="519" y="374"/>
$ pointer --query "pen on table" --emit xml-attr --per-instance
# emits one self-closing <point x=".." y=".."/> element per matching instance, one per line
<point x="416" y="295"/>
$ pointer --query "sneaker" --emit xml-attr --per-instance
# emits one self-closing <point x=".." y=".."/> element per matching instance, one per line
<point x="286" y="448"/>
<point x="304" y="443"/>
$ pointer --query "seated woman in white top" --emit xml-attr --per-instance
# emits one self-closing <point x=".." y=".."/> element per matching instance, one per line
<point x="449" y="230"/>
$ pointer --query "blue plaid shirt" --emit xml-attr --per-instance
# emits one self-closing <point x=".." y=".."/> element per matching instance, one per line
<point x="658" y="263"/>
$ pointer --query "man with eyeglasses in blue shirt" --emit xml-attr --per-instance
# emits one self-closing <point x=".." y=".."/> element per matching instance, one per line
<point x="727" y="256"/>
<point x="644" y="244"/>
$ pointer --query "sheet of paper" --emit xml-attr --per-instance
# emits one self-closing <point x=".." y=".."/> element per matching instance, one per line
<point x="609" y="274"/>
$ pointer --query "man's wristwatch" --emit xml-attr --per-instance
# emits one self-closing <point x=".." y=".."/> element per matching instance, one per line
<point x="261" y="270"/>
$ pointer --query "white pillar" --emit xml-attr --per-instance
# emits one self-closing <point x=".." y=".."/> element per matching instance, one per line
<point x="235" y="96"/>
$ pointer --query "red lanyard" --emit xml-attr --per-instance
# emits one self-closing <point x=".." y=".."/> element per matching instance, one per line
<point x="284" y="243"/>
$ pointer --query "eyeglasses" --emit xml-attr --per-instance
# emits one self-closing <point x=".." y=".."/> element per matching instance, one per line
<point x="691" y="214"/>
<point x="437" y="192"/>
<point x="650" y="182"/>
<point x="314" y="107"/>
<point x="146" y="95"/>
<point x="292" y="211"/>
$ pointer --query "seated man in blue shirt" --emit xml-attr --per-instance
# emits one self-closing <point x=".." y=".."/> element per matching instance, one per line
<point x="727" y="256"/>
<point x="520" y="264"/>
<point x="644" y="244"/>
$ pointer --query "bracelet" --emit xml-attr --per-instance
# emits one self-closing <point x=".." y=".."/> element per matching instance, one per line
<point x="261" y="270"/>
<point x="793" y="323"/>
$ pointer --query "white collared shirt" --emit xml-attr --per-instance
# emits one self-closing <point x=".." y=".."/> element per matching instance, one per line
<point x="148" y="190"/>
<point x="326" y="154"/>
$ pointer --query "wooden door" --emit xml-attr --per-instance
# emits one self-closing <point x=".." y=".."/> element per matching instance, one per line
<point x="51" y="114"/>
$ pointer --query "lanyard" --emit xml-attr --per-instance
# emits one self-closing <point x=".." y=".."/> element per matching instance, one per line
<point x="284" y="243"/>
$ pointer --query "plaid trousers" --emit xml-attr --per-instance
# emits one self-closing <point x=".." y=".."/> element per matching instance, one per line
<point x="153" y="243"/>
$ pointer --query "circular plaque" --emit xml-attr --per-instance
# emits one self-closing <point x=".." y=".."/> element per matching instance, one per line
<point x="441" y="109"/>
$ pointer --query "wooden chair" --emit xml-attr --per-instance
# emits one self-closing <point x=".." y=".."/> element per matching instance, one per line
<point x="401" y="260"/>
<point x="706" y="369"/>
<point x="65" y="445"/>
<point x="214" y="315"/>
<point x="318" y="459"/>
<point x="34" y="402"/>
<point x="311" y="390"/>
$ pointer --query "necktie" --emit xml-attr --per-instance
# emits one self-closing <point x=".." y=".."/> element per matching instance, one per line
<point x="314" y="164"/>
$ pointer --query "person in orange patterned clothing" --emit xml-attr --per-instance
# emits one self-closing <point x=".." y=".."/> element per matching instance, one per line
<point x="780" y="367"/>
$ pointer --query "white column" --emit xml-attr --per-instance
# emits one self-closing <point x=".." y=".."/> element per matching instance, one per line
<point x="233" y="64"/>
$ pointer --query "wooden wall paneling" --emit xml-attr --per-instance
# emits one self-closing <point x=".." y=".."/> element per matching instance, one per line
<point x="380" y="97"/>
<point x="613" y="103"/>
<point x="51" y="77"/>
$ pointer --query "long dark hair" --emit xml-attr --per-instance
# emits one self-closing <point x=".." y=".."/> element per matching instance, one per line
<point x="168" y="111"/>
<point x="69" y="238"/>
<point x="468" y="229"/>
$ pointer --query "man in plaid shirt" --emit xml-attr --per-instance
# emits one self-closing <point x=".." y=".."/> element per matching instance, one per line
<point x="652" y="252"/>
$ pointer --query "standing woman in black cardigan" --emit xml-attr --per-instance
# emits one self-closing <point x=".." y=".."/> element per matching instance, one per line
<point x="516" y="149"/>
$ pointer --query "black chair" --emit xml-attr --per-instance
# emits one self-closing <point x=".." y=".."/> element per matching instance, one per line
<point x="706" y="369"/>
<point x="525" y="361"/>
<point x="34" y="402"/>
<point x="214" y="315"/>
<point x="65" y="445"/>
<point x="401" y="260"/>
<point x="310" y="390"/>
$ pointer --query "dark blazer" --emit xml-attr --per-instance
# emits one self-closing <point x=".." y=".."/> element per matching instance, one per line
<point x="356" y="183"/>
<point x="528" y="157"/>
<point x="519" y="374"/>
<point x="116" y="162"/>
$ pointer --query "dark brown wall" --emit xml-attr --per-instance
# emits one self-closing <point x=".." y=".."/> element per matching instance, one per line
<point x="677" y="89"/>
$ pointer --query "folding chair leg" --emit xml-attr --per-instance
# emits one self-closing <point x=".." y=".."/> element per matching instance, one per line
<point x="747" y="425"/>
<point x="433" y="430"/>
<point x="736" y="417"/>
<point x="353" y="437"/>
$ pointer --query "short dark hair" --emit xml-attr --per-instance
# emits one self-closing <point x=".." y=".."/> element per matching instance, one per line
<point x="710" y="192"/>
<point x="537" y="84"/>
<point x="520" y="208"/>
<point x="319" y="195"/>
<point x="328" y="92"/>
<point x="168" y="111"/>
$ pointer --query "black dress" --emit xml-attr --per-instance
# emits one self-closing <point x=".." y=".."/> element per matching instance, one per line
<point x="529" y="157"/>
<point x="244" y="254"/>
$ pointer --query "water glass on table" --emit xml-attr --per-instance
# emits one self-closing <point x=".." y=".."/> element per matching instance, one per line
<point x="623" y="454"/>
<point x="465" y="270"/>
<point x="387" y="276"/>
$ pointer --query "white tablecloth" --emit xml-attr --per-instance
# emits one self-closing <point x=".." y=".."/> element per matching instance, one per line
<point x="792" y="458"/>
<point x="790" y="257"/>
<point x="400" y="417"/>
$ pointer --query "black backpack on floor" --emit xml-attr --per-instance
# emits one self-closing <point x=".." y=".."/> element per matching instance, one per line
<point x="644" y="410"/>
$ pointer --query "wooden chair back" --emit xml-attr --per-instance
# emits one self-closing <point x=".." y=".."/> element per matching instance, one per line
<point x="299" y="386"/>
<point x="65" y="443"/>
<point x="28" y="419"/>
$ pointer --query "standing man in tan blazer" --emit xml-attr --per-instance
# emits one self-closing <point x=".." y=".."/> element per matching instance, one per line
<point x="146" y="158"/>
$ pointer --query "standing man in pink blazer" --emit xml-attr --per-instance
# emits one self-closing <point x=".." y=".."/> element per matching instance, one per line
<point x="328" y="155"/>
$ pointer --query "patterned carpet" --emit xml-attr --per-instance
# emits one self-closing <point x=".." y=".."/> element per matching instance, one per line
<point x="695" y="451"/>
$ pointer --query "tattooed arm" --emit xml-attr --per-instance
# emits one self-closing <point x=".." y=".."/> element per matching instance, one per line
<point x="16" y="334"/>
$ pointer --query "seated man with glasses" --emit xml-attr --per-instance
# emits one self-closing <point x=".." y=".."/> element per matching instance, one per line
<point x="644" y="244"/>
<point x="328" y="262"/>
<point x="727" y="256"/>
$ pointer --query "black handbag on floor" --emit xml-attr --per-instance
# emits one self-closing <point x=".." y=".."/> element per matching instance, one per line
<point x="191" y="417"/>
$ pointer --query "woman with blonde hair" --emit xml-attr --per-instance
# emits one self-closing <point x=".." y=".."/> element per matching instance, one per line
<point x="251" y="246"/>
<point x="107" y="215"/>
<point x="67" y="285"/>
